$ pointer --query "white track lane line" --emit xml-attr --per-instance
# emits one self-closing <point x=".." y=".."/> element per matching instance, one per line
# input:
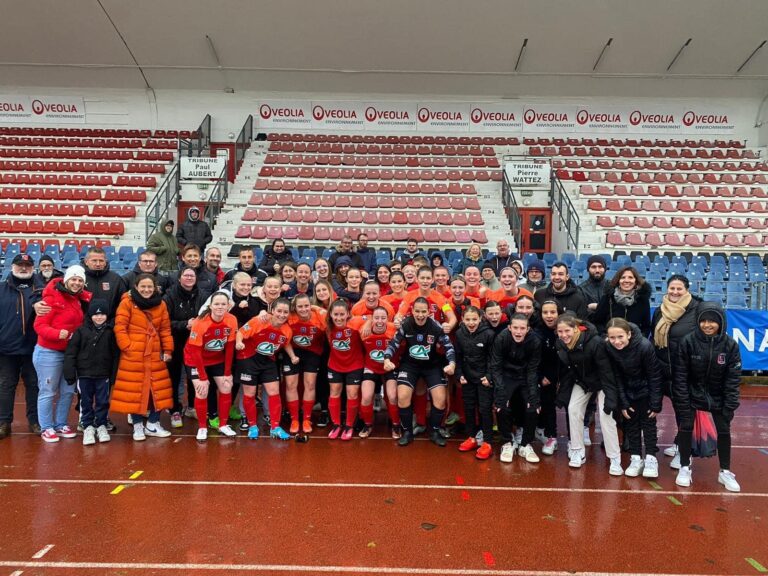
<point x="43" y="551"/>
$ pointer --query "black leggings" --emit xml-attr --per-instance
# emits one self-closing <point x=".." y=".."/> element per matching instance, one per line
<point x="478" y="398"/>
<point x="723" y="427"/>
<point x="548" y="416"/>
<point x="519" y="397"/>
<point x="639" y="429"/>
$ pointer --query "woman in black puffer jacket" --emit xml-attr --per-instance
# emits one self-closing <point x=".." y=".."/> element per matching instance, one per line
<point x="585" y="369"/>
<point x="707" y="377"/>
<point x="627" y="296"/>
<point x="274" y="257"/>
<point x="638" y="378"/>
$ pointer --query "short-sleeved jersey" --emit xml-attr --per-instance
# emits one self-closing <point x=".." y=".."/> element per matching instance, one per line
<point x="438" y="305"/>
<point x="503" y="298"/>
<point x="262" y="338"/>
<point x="375" y="345"/>
<point x="361" y="310"/>
<point x="210" y="338"/>
<point x="394" y="300"/>
<point x="309" y="335"/>
<point x="346" y="347"/>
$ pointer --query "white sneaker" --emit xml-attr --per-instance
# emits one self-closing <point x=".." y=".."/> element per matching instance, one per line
<point x="103" y="434"/>
<point x="89" y="436"/>
<point x="507" y="452"/>
<point x="479" y="438"/>
<point x="130" y="419"/>
<point x="684" y="477"/>
<point x="636" y="466"/>
<point x="519" y="436"/>
<point x="728" y="479"/>
<point x="176" y="420"/>
<point x="540" y="436"/>
<point x="138" y="432"/>
<point x="202" y="434"/>
<point x="528" y="453"/>
<point x="651" y="468"/>
<point x="615" y="468"/>
<point x="227" y="431"/>
<point x="675" y="462"/>
<point x="670" y="450"/>
<point x="550" y="446"/>
<point x="190" y="413"/>
<point x="156" y="430"/>
<point x="576" y="458"/>
<point x="587" y="439"/>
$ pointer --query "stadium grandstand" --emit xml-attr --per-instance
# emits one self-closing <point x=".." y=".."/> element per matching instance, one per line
<point x="633" y="135"/>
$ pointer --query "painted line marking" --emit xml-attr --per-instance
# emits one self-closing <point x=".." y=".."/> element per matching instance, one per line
<point x="764" y="451"/>
<point x="136" y="474"/>
<point x="489" y="559"/>
<point x="756" y="565"/>
<point x="17" y="573"/>
<point x="378" y="486"/>
<point x="315" y="569"/>
<point x="654" y="485"/>
<point x="43" y="551"/>
<point x="674" y="501"/>
<point x="117" y="490"/>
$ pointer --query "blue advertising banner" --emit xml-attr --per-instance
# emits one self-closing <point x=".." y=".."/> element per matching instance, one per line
<point x="750" y="330"/>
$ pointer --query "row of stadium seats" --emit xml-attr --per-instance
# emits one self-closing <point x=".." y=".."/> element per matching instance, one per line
<point x="655" y="152"/>
<point x="370" y="217"/>
<point x="386" y="161"/>
<point x="674" y="191"/>
<point x="672" y="239"/>
<point x="721" y="206"/>
<point x="35" y="166"/>
<point x="85" y="194"/>
<point x="365" y="201"/>
<point x="96" y="132"/>
<point x="99" y="228"/>
<point x="332" y="186"/>
<point x="663" y="177"/>
<point x="655" y="166"/>
<point x="77" y="180"/>
<point x="70" y="154"/>
<point x="115" y="210"/>
<point x="682" y="222"/>
<point x="77" y="142"/>
<point x="335" y="234"/>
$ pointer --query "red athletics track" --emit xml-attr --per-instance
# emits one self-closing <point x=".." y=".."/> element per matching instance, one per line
<point x="370" y="507"/>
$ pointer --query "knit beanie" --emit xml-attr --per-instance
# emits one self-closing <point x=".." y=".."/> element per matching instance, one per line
<point x="537" y="265"/>
<point x="98" y="306"/>
<point x="45" y="258"/>
<point x="596" y="260"/>
<point x="74" y="271"/>
<point x="712" y="315"/>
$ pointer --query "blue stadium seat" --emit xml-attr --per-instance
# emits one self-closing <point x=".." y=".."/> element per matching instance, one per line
<point x="568" y="258"/>
<point x="714" y="297"/>
<point x="550" y="258"/>
<point x="714" y="286"/>
<point x="737" y="302"/>
<point x="643" y="259"/>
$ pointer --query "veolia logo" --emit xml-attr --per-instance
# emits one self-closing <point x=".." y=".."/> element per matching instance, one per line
<point x="266" y="349"/>
<point x="419" y="352"/>
<point x="319" y="112"/>
<point x="476" y="115"/>
<point x="423" y="114"/>
<point x="37" y="107"/>
<point x="266" y="112"/>
<point x="377" y="356"/>
<point x="303" y="341"/>
<point x="583" y="116"/>
<point x="11" y="107"/>
<point x="529" y="116"/>
<point x="372" y="114"/>
<point x="638" y="117"/>
<point x="690" y="118"/>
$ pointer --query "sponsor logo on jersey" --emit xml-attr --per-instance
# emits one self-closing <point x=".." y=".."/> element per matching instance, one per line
<point x="216" y="345"/>
<point x="266" y="349"/>
<point x="342" y="345"/>
<point x="419" y="352"/>
<point x="377" y="356"/>
<point x="303" y="341"/>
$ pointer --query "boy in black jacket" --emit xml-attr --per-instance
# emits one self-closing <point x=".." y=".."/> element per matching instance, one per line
<point x="90" y="361"/>
<point x="707" y="377"/>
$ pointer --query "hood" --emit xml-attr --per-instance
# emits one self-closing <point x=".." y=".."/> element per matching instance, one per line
<point x="189" y="213"/>
<point x="162" y="230"/>
<point x="570" y="288"/>
<point x="437" y="254"/>
<point x="482" y="327"/>
<point x="712" y="307"/>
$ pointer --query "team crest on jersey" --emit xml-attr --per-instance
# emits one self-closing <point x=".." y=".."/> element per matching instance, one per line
<point x="721" y="359"/>
<point x="217" y="332"/>
<point x="379" y="343"/>
<point x="216" y="345"/>
<point x="272" y="336"/>
<point x="430" y="339"/>
<point x="419" y="352"/>
<point x="303" y="341"/>
<point x="377" y="356"/>
<point x="266" y="349"/>
<point x="105" y="286"/>
<point x="342" y="345"/>
<point x="419" y="337"/>
<point x="193" y="335"/>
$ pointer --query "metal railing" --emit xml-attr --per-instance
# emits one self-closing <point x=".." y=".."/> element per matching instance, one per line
<point x="568" y="217"/>
<point x="200" y="143"/>
<point x="166" y="196"/>
<point x="217" y="198"/>
<point x="243" y="142"/>
<point x="512" y="211"/>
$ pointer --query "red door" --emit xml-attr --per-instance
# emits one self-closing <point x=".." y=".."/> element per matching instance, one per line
<point x="536" y="224"/>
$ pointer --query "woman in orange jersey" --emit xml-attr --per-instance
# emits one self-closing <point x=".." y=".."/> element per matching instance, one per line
<point x="258" y="342"/>
<point x="396" y="290"/>
<point x="382" y="278"/>
<point x="323" y="297"/>
<point x="474" y="288"/>
<point x="509" y="291"/>
<point x="459" y="300"/>
<point x="345" y="368"/>
<point x="308" y="325"/>
<point x="442" y="278"/>
<point x="208" y="354"/>
<point x="439" y="309"/>
<point x="370" y="301"/>
<point x="374" y="375"/>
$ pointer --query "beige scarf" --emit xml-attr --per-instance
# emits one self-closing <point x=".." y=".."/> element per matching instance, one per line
<point x="671" y="312"/>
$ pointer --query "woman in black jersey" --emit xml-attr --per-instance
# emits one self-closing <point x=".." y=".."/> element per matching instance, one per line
<point x="426" y="349"/>
<point x="548" y="376"/>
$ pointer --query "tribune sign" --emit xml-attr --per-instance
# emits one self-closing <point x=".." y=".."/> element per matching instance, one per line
<point x="202" y="168"/>
<point x="528" y="175"/>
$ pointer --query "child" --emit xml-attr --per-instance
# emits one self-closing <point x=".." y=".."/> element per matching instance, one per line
<point x="89" y="361"/>
<point x="638" y="378"/>
<point x="707" y="378"/>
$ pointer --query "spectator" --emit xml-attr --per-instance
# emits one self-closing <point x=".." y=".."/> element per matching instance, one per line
<point x="213" y="264"/>
<point x="206" y="281"/>
<point x="147" y="264"/>
<point x="345" y="249"/>
<point x="100" y="281"/>
<point x="17" y="342"/>
<point x="503" y="257"/>
<point x="303" y="282"/>
<point x="367" y="255"/>
<point x="66" y="298"/>
<point x="274" y="257"/>
<point x="194" y="230"/>
<point x="594" y="287"/>
<point x="534" y="279"/>
<point x="517" y="266"/>
<point x="164" y="244"/>
<point x="322" y="271"/>
<point x="627" y="296"/>
<point x="46" y="271"/>
<point x="437" y="259"/>
<point x="489" y="279"/>
<point x="411" y="251"/>
<point x="473" y="257"/>
<point x="562" y="290"/>
<point x="247" y="263"/>
<point x="143" y="333"/>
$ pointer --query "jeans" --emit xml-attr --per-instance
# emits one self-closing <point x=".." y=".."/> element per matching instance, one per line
<point x="49" y="365"/>
<point x="10" y="369"/>
<point x="152" y="418"/>
<point x="93" y="391"/>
